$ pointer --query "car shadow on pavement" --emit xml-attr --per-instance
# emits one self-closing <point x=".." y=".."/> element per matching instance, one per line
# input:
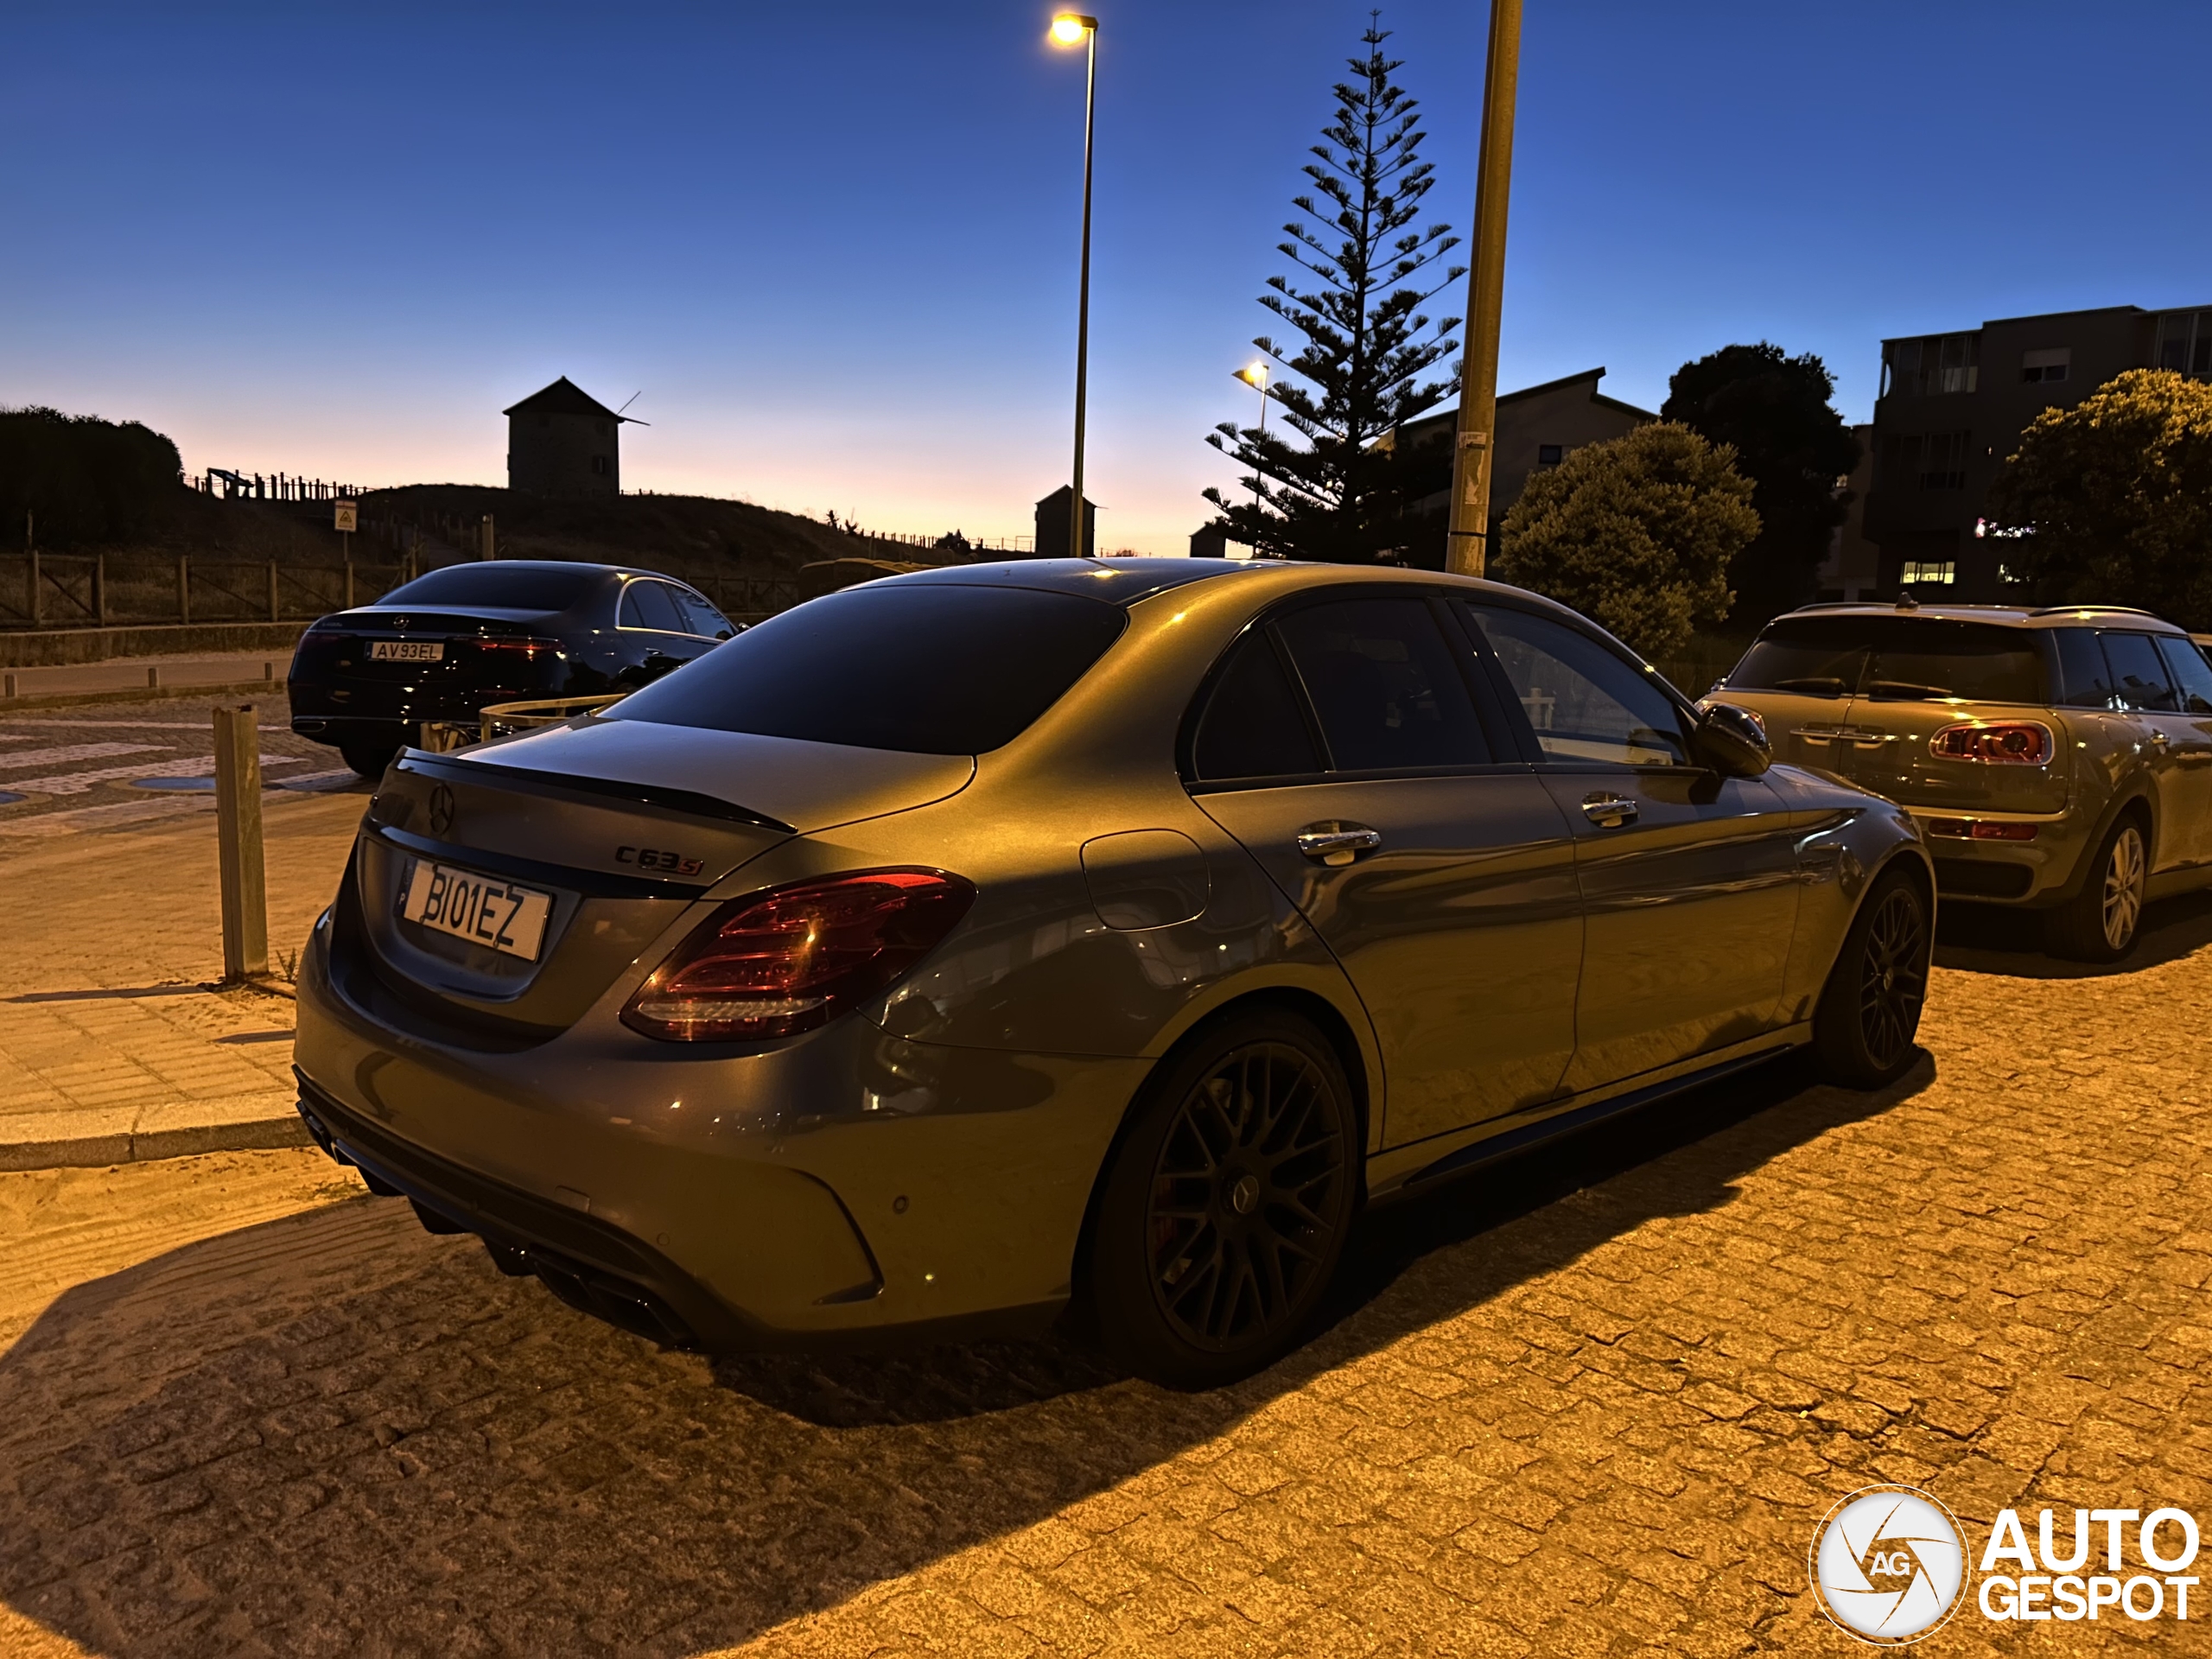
<point x="334" y="1431"/>
<point x="1984" y="940"/>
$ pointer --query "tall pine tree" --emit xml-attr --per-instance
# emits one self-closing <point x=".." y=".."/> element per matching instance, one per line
<point x="1338" y="496"/>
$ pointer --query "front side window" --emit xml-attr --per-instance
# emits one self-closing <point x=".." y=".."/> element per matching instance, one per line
<point x="2138" y="675"/>
<point x="1386" y="688"/>
<point x="929" y="669"/>
<point x="1585" y="703"/>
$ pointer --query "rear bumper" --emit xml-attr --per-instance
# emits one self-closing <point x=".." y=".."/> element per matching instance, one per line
<point x="847" y="1190"/>
<point x="2031" y="874"/>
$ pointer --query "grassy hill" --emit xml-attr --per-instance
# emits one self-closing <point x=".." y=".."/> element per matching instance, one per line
<point x="699" y="538"/>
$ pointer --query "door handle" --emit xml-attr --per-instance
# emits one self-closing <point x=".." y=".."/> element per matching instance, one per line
<point x="1609" y="812"/>
<point x="2159" y="740"/>
<point x="1338" y="844"/>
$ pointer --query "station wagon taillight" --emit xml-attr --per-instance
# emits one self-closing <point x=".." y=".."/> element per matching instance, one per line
<point x="776" y="963"/>
<point x="1994" y="742"/>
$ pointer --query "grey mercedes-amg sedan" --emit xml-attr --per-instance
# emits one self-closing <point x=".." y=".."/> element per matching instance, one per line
<point x="981" y="943"/>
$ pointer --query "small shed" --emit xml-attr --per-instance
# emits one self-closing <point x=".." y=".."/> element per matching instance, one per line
<point x="564" y="443"/>
<point x="1053" y="525"/>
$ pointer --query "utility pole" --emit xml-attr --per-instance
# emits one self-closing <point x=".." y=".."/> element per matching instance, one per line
<point x="1467" y="552"/>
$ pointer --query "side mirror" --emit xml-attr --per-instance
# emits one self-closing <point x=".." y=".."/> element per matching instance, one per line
<point x="1732" y="740"/>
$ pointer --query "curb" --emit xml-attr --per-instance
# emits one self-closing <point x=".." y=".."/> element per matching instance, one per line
<point x="140" y="694"/>
<point x="90" y="1139"/>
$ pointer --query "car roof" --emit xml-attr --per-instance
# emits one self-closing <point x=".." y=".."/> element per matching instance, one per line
<point x="1118" y="581"/>
<point x="2014" y="616"/>
<point x="1125" y="581"/>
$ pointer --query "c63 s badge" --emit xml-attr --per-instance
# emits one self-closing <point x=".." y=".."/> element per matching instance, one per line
<point x="656" y="858"/>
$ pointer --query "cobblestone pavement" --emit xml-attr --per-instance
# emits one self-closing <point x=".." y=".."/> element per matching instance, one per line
<point x="108" y="1025"/>
<point x="1594" y="1403"/>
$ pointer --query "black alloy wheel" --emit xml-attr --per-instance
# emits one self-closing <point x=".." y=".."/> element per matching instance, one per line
<point x="367" y="759"/>
<point x="1227" y="1206"/>
<point x="1869" y="1014"/>
<point x="1893" y="977"/>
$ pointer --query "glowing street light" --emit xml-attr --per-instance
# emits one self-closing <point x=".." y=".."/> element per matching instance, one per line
<point x="1255" y="375"/>
<point x="1073" y="28"/>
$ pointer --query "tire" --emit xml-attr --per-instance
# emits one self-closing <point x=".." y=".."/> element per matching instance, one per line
<point x="2099" y="924"/>
<point x="369" y="760"/>
<point x="1226" y="1205"/>
<point x="1869" y="1011"/>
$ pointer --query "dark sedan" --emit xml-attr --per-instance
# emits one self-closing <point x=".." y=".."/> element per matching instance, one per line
<point x="445" y="645"/>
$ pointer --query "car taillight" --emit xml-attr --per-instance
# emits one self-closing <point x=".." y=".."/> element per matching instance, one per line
<point x="1994" y="742"/>
<point x="1981" y="829"/>
<point x="776" y="963"/>
<point x="528" y="650"/>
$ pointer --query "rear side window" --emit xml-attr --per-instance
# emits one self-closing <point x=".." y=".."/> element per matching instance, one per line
<point x="1253" y="726"/>
<point x="1584" y="703"/>
<point x="1894" y="658"/>
<point x="2088" y="682"/>
<point x="1386" y="688"/>
<point x="928" y="669"/>
<point x="2138" y="674"/>
<point x="651" y="605"/>
<point x="505" y="588"/>
<point x="2190" y="673"/>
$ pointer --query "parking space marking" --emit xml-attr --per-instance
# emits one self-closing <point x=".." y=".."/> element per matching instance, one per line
<point x="66" y="753"/>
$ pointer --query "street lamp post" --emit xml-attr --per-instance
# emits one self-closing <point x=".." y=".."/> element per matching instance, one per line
<point x="1073" y="28"/>
<point x="1255" y="375"/>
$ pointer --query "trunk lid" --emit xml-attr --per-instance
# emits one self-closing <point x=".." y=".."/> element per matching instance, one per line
<point x="425" y="648"/>
<point x="609" y="829"/>
<point x="1885" y="748"/>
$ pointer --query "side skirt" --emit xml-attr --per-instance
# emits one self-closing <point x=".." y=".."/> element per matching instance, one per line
<point x="1403" y="1170"/>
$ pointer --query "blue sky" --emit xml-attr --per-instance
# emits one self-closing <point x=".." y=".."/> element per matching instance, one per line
<point x="833" y="247"/>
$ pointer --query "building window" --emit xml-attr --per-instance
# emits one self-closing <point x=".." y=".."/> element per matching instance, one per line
<point x="599" y="466"/>
<point x="1550" y="454"/>
<point x="2045" y="366"/>
<point x="1932" y="365"/>
<point x="1941" y="572"/>
<point x="1928" y="460"/>
<point x="2185" y="342"/>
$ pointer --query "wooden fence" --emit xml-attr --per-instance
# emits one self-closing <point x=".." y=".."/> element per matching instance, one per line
<point x="63" y="591"/>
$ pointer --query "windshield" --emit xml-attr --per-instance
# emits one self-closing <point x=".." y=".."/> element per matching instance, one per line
<point x="505" y="588"/>
<point x="929" y="669"/>
<point x="1894" y="658"/>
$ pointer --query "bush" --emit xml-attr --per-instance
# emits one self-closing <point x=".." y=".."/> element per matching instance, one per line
<point x="1635" y="534"/>
<point x="86" y="480"/>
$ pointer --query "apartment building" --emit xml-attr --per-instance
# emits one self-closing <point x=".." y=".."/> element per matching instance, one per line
<point x="1952" y="407"/>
